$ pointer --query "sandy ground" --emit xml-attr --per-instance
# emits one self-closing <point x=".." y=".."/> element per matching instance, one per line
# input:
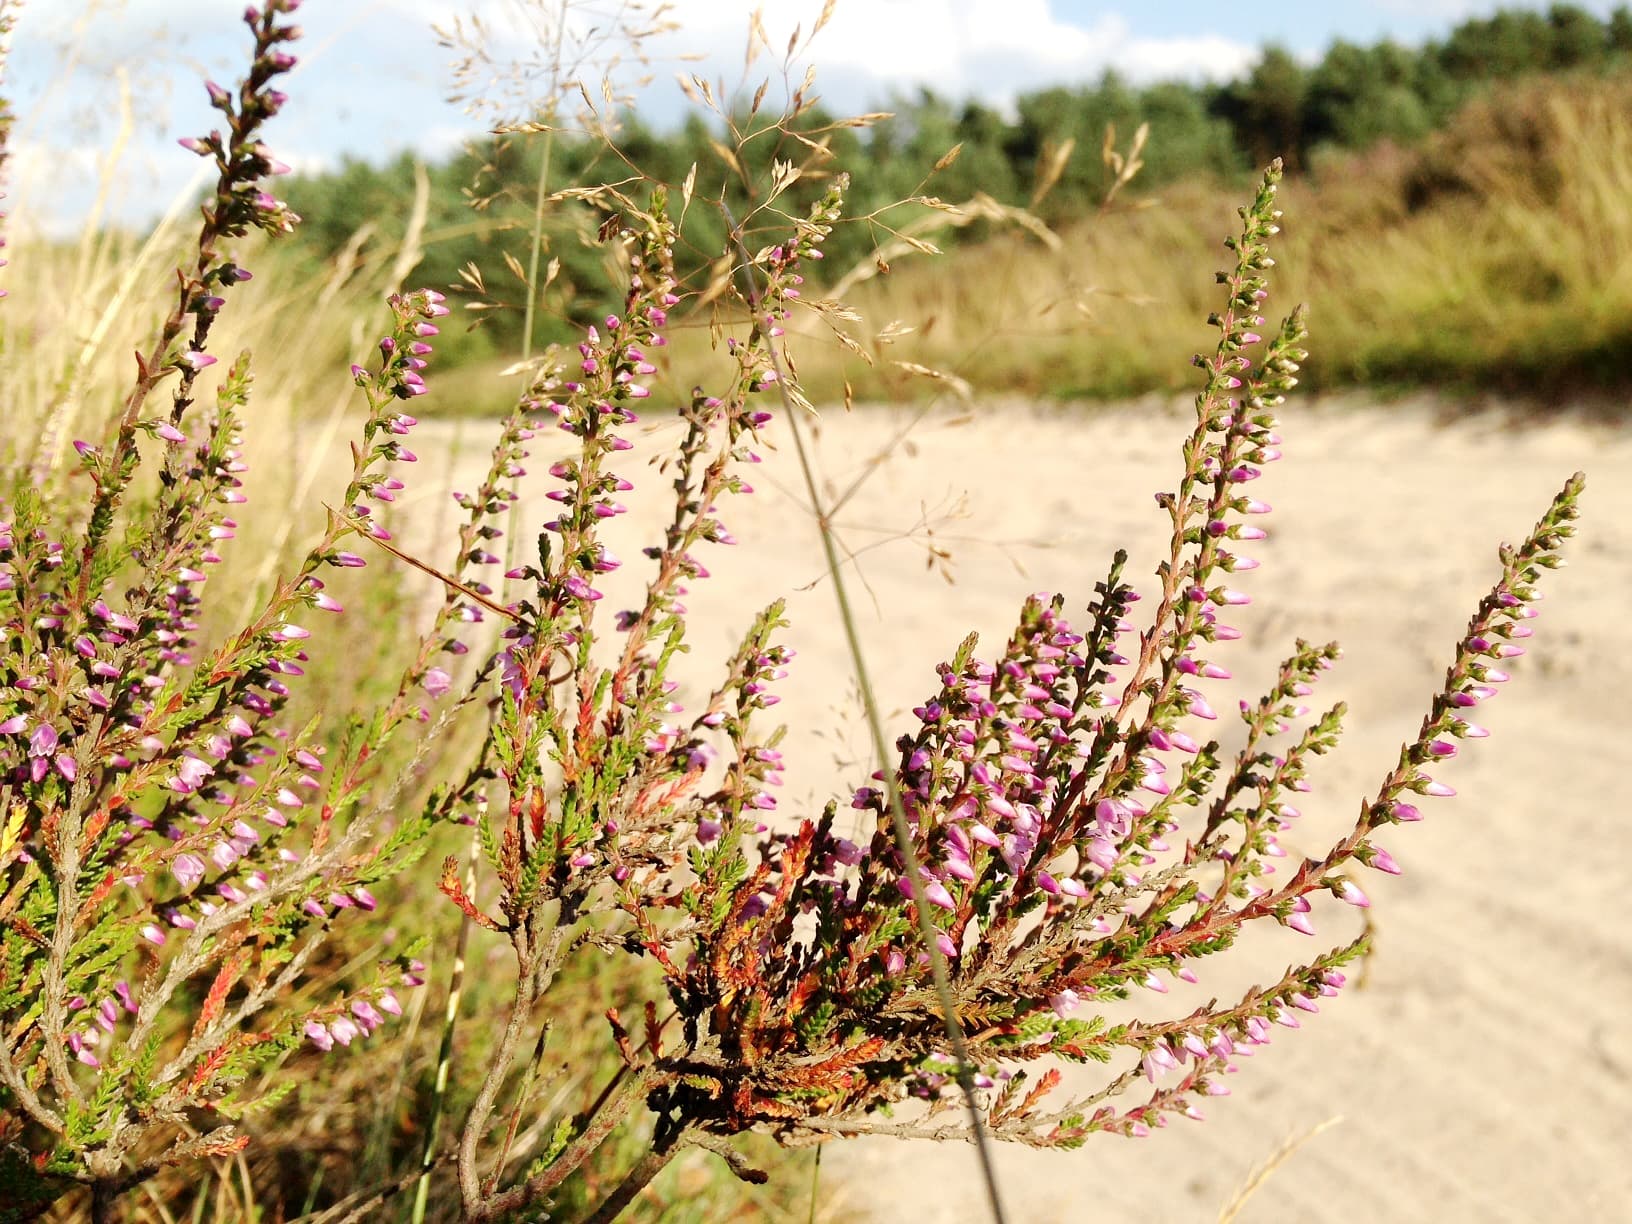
<point x="1484" y="1072"/>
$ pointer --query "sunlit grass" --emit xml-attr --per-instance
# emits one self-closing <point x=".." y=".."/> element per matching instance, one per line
<point x="1473" y="264"/>
<point x="1476" y="263"/>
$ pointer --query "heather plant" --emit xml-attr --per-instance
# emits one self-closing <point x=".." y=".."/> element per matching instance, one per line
<point x="1056" y="833"/>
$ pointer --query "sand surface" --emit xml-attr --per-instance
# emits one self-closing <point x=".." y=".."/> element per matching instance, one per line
<point x="1485" y="1070"/>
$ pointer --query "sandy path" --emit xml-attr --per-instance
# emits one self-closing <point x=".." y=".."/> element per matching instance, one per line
<point x="1484" y="1072"/>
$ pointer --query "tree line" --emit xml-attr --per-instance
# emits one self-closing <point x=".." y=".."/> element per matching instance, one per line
<point x="1351" y="99"/>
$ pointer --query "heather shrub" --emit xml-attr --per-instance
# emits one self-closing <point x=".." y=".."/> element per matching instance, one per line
<point x="185" y="849"/>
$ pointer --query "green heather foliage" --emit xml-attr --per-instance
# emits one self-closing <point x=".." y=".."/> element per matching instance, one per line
<point x="213" y="920"/>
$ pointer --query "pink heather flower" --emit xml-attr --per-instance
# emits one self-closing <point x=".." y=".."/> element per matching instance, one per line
<point x="367" y="1016"/>
<point x="195" y="360"/>
<point x="388" y="1003"/>
<point x="153" y="934"/>
<point x="319" y="1036"/>
<point x="343" y="1030"/>
<point x="1350" y="892"/>
<point x="192" y="771"/>
<point x="188" y="870"/>
<point x="436" y="682"/>
<point x="43" y="742"/>
<point x="1063" y="1002"/>
<point x="847" y="852"/>
<point x="14" y="724"/>
<point x="1157" y="1060"/>
<point x="1383" y="861"/>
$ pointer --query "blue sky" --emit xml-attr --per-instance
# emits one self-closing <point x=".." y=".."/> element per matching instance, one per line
<point x="373" y="78"/>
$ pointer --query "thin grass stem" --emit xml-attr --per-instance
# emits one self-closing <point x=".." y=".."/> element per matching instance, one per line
<point x="875" y="726"/>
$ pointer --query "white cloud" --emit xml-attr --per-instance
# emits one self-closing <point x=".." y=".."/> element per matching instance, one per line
<point x="372" y="80"/>
<point x="1442" y="10"/>
<point x="990" y="49"/>
<point x="1210" y="57"/>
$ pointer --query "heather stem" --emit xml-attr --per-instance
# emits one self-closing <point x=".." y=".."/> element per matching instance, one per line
<point x="538" y="953"/>
<point x="596" y="1131"/>
<point x="470" y="1183"/>
<point x="637" y="1179"/>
